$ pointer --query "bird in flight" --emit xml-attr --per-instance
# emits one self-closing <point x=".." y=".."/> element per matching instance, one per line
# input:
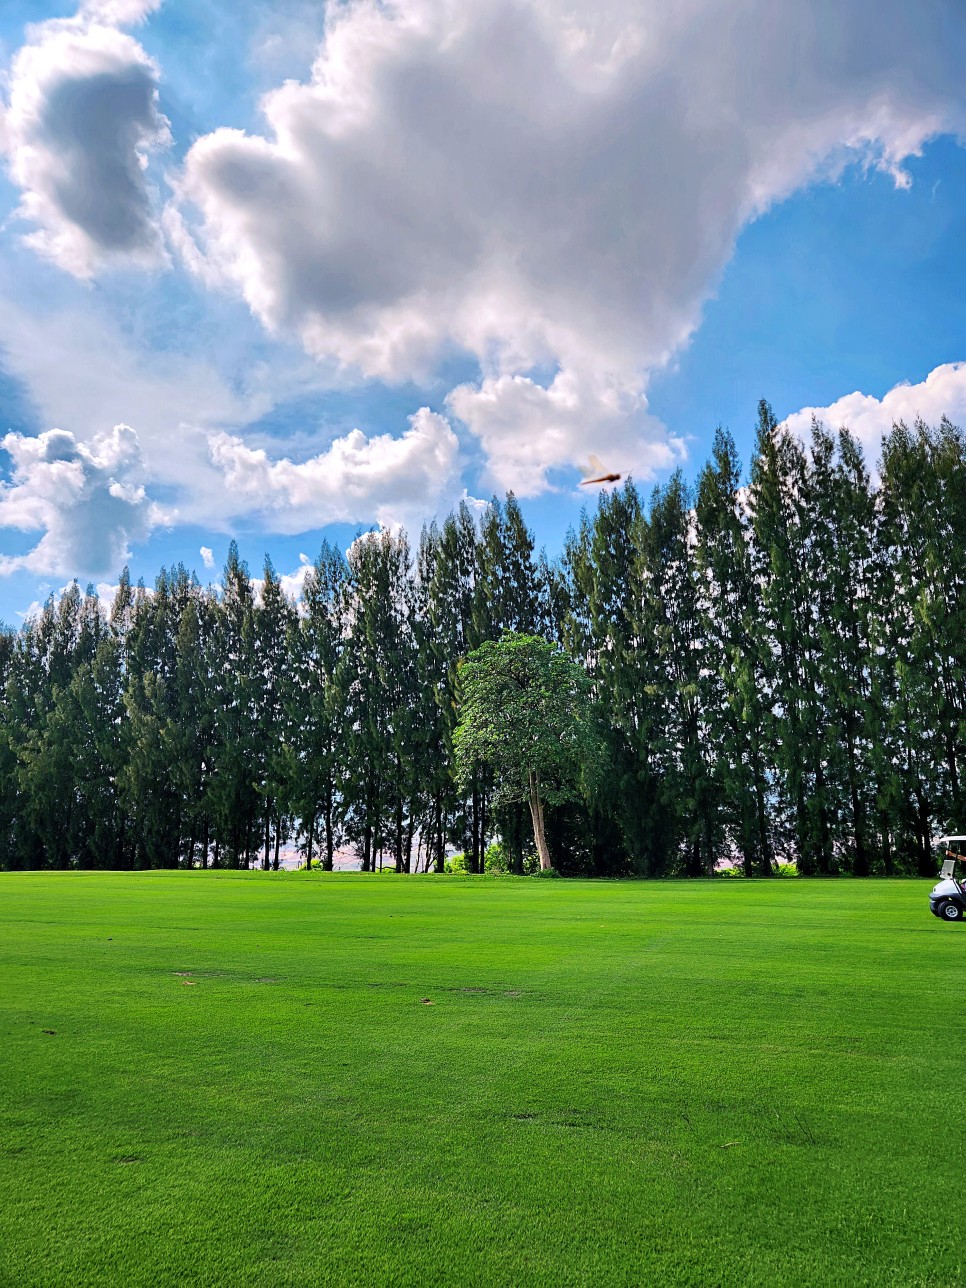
<point x="599" y="473"/>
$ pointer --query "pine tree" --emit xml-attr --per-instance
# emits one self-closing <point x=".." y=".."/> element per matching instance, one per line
<point x="234" y="802"/>
<point x="601" y="623"/>
<point x="782" y="508"/>
<point x="734" y="683"/>
<point x="317" y="706"/>
<point x="272" y="682"/>
<point x="457" y="611"/>
<point x="923" y="524"/>
<point x="847" y="579"/>
<point x="379" y="698"/>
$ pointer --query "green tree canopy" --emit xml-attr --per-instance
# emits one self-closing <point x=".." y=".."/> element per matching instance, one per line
<point x="524" y="711"/>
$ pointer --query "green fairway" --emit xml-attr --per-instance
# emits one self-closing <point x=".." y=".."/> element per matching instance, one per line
<point x="615" y="1083"/>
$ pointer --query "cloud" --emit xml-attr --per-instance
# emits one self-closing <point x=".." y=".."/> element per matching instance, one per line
<point x="942" y="393"/>
<point x="549" y="185"/>
<point x="84" y="371"/>
<point x="88" y="499"/>
<point x="119" y="13"/>
<point x="207" y="556"/>
<point x="527" y="428"/>
<point x="81" y="118"/>
<point x="356" y="480"/>
<point x="292" y="583"/>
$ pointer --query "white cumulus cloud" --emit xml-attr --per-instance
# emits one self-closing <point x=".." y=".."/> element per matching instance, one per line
<point x="119" y="13"/>
<point x="549" y="185"/>
<point x="87" y="499"/>
<point x="869" y="419"/>
<point x="358" y="479"/>
<point x="80" y="119"/>
<point x="527" y="428"/>
<point x="207" y="556"/>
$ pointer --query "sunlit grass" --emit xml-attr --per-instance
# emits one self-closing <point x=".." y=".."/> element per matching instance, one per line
<point x="238" y="1079"/>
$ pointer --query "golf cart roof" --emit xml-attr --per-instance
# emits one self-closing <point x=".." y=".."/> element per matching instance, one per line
<point x="944" y="840"/>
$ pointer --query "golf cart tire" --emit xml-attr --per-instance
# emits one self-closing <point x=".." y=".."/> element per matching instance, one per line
<point x="951" y="912"/>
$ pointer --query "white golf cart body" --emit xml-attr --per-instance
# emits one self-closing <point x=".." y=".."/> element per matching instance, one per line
<point x="947" y="899"/>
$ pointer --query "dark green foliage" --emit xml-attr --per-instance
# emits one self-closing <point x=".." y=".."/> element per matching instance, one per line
<point x="776" y="673"/>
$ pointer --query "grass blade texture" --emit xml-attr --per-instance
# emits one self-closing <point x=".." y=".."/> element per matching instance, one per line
<point x="257" y="1079"/>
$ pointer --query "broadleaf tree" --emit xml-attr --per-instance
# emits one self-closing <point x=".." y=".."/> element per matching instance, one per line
<point x="524" y="711"/>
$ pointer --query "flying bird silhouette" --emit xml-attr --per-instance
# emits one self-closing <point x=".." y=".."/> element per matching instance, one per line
<point x="601" y="475"/>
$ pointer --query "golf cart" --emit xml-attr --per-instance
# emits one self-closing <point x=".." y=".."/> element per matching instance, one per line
<point x="947" y="900"/>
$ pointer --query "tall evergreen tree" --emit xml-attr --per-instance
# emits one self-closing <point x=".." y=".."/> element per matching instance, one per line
<point x="317" y="700"/>
<point x="734" y="682"/>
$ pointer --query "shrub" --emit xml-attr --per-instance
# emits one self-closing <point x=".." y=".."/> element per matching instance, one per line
<point x="546" y="872"/>
<point x="496" y="858"/>
<point x="455" y="865"/>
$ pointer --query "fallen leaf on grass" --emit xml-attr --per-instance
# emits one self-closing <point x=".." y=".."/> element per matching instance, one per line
<point x="729" y="1144"/>
<point x="426" y="1001"/>
<point x="190" y="982"/>
<point x="51" y="1033"/>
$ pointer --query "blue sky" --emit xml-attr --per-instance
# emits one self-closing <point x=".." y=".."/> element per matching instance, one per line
<point x="475" y="244"/>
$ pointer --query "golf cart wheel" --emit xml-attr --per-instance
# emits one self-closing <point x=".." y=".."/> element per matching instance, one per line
<point x="951" y="912"/>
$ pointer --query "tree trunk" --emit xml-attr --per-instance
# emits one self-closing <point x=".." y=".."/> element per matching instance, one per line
<point x="693" y="862"/>
<point x="308" y="854"/>
<point x="474" y="864"/>
<point x="441" y="840"/>
<point x="398" y="839"/>
<point x="329" y="840"/>
<point x="367" y="863"/>
<point x="861" y="866"/>
<point x="329" y="849"/>
<point x="536" y="813"/>
<point x="766" y="858"/>
<point x="886" y="843"/>
<point x="408" y="861"/>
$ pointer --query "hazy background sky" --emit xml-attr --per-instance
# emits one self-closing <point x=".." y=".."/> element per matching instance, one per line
<point x="279" y="271"/>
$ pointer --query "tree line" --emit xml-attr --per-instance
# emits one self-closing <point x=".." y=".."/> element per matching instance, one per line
<point x="775" y="670"/>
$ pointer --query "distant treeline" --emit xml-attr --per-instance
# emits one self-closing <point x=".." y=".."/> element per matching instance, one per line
<point x="778" y="670"/>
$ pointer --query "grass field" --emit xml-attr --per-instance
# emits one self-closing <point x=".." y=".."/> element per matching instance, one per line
<point x="636" y="1083"/>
